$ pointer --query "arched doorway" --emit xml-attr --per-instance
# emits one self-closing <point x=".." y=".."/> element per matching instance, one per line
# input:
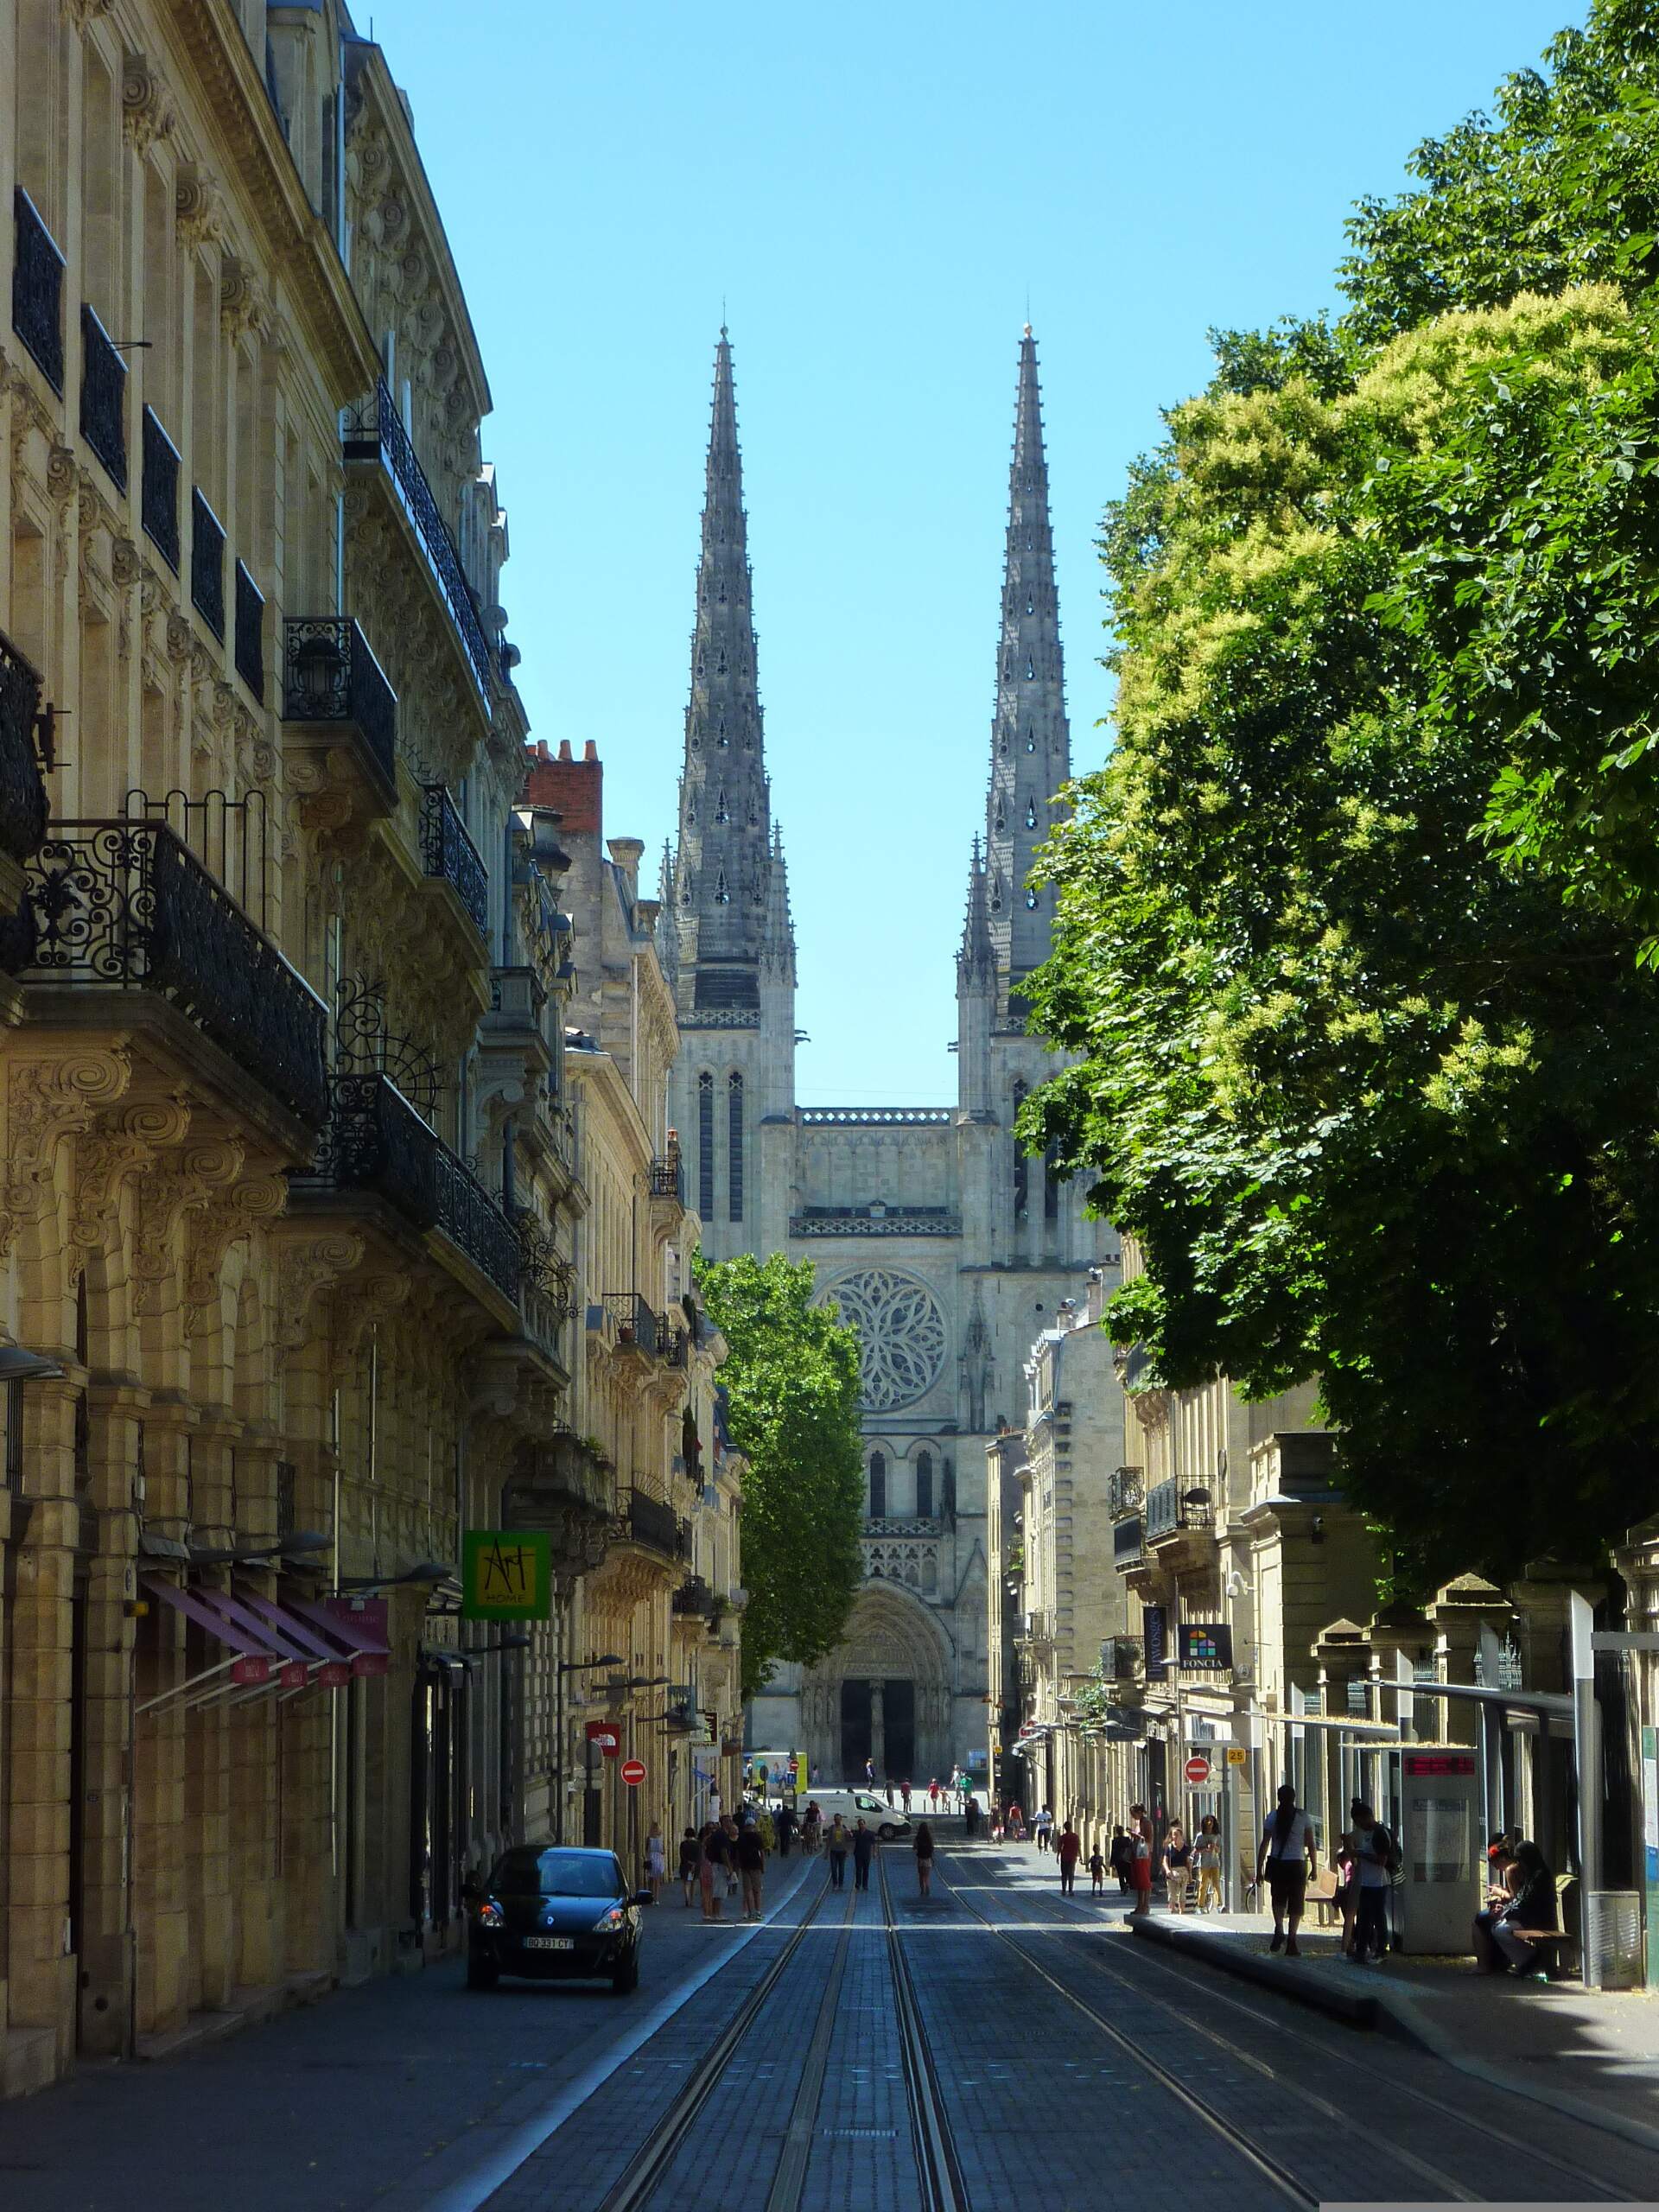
<point x="883" y="1695"/>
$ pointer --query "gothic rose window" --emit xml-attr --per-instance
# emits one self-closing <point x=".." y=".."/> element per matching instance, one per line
<point x="901" y="1335"/>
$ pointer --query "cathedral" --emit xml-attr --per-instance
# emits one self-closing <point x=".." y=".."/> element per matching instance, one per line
<point x="927" y="1225"/>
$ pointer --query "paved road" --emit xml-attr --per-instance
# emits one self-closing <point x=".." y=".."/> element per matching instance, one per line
<point x="1065" y="2065"/>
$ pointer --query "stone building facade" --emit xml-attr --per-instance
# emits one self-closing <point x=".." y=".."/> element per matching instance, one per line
<point x="927" y="1225"/>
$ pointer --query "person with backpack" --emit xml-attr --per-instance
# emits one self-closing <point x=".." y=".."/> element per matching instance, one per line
<point x="1285" y="1860"/>
<point x="1375" y="1858"/>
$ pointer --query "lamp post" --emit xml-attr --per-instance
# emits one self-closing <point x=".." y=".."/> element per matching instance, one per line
<point x="571" y="1667"/>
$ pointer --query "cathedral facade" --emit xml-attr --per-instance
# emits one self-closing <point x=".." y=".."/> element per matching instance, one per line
<point x="948" y="1247"/>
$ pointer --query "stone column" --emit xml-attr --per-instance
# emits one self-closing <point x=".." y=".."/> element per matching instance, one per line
<point x="160" y="1911"/>
<point x="878" y="1731"/>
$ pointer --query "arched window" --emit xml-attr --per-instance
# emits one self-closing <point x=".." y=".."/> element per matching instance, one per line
<point x="1031" y="814"/>
<point x="925" y="1484"/>
<point x="1031" y="899"/>
<point x="1021" y="1164"/>
<point x="706" y="1145"/>
<point x="722" y="896"/>
<point x="878" y="1485"/>
<point x="734" y="1149"/>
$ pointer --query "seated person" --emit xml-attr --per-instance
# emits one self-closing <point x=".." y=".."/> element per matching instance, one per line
<point x="1503" y="1932"/>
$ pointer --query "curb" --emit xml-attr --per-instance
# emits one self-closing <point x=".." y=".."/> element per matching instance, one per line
<point x="1279" y="1975"/>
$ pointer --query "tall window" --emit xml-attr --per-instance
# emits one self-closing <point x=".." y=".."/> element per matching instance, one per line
<point x="706" y="1145"/>
<point x="925" y="1484"/>
<point x="878" y="1484"/>
<point x="1021" y="1164"/>
<point x="734" y="1149"/>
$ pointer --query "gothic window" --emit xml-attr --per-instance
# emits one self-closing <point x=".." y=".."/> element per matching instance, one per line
<point x="1031" y="670"/>
<point x="901" y="1335"/>
<point x="722" y="896"/>
<point x="1031" y="814"/>
<point x="706" y="1145"/>
<point x="1030" y="604"/>
<point x="1003" y="744"/>
<point x="734" y="1149"/>
<point x="948" y="1488"/>
<point x="1001" y="822"/>
<point x="720" y="814"/>
<point x="924" y="1485"/>
<point x="1031" y="740"/>
<point x="1021" y="1164"/>
<point x="878" y="1485"/>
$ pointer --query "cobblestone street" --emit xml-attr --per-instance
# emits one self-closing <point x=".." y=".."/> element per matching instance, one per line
<point x="782" y="2065"/>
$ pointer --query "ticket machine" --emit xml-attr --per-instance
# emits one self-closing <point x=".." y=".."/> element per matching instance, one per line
<point x="1444" y="1874"/>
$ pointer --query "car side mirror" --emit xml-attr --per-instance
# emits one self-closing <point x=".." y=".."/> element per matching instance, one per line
<point x="642" y="1897"/>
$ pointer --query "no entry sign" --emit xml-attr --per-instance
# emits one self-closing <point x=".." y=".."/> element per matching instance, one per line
<point x="1198" y="1769"/>
<point x="634" y="1772"/>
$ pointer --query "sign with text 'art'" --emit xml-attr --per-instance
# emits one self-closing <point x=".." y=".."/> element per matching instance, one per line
<point x="505" y="1575"/>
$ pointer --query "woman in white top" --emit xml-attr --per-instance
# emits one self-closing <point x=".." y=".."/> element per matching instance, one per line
<point x="656" y="1861"/>
<point x="1286" y="1859"/>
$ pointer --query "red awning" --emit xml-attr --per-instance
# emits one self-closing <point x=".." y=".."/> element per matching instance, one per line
<point x="358" y="1623"/>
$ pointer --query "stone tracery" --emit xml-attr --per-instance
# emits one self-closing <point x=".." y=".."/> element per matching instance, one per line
<point x="901" y="1334"/>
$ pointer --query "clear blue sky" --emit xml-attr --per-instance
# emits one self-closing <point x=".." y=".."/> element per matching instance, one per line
<point x="872" y="191"/>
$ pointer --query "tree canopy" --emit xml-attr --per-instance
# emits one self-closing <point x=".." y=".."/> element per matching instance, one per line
<point x="1352" y="926"/>
<point x="791" y="1380"/>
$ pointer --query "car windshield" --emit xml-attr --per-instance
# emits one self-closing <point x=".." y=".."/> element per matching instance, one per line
<point x="556" y="1874"/>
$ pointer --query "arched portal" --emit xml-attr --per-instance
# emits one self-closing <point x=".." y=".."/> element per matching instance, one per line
<point x="883" y="1695"/>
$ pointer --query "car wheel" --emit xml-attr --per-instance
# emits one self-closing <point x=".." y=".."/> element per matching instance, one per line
<point x="481" y="1974"/>
<point x="625" y="1979"/>
<point x="887" y="1831"/>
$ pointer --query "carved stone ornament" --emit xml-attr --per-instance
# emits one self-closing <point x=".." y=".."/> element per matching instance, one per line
<point x="62" y="476"/>
<point x="197" y="212"/>
<point x="126" y="564"/>
<point x="227" y="1221"/>
<point x="164" y="1197"/>
<point x="242" y="305"/>
<point x="307" y="1267"/>
<point x="46" y="1101"/>
<point x="116" y="1145"/>
<point x="82" y="12"/>
<point x="146" y="109"/>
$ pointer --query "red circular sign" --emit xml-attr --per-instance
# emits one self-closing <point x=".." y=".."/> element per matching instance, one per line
<point x="1198" y="1769"/>
<point x="634" y="1772"/>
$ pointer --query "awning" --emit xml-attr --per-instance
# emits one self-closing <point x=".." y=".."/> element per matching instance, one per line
<point x="259" y="1660"/>
<point x="358" y="1623"/>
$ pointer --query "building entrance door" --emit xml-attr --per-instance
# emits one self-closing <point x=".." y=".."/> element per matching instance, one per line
<point x="899" y="1712"/>
<point x="856" y="1732"/>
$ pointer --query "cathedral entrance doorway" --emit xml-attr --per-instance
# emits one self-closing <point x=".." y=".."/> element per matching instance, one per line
<point x="878" y="1723"/>
<point x="884" y="1693"/>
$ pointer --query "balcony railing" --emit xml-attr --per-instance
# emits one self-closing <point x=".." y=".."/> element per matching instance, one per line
<point x="330" y="675"/>
<point x="448" y="855"/>
<point x="250" y="633"/>
<point x="1128" y="1542"/>
<point x="668" y="1178"/>
<point x="103" y="398"/>
<point x="1120" y="1658"/>
<point x="23" y="793"/>
<point x="1172" y="1506"/>
<point x="630" y="1321"/>
<point x="37" y="290"/>
<point x="375" y="432"/>
<point x="207" y="563"/>
<point x="693" y="1598"/>
<point x="158" y="488"/>
<point x="655" y="1525"/>
<point x="126" y="905"/>
<point x="1125" y="1492"/>
<point x="558" y="1475"/>
<point x="375" y="1141"/>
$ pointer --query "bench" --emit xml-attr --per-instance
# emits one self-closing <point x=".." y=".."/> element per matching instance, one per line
<point x="1556" y="1948"/>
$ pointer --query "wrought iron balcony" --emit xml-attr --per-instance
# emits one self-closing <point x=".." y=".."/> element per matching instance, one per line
<point x="37" y="289"/>
<point x="158" y="488"/>
<point x="126" y="905"/>
<point x="330" y="675"/>
<point x="448" y="855"/>
<point x="376" y="1141"/>
<point x="655" y="1525"/>
<point x="206" y="562"/>
<point x="631" y="1322"/>
<point x="668" y="1178"/>
<point x="103" y="398"/>
<point x="1128" y="1542"/>
<point x="250" y="633"/>
<point x="23" y="793"/>
<point x="693" y="1598"/>
<point x="375" y="432"/>
<point x="1172" y="1507"/>
<point x="560" y="1476"/>
<point x="1125" y="1492"/>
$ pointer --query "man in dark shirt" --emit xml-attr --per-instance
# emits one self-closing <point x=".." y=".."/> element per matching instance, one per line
<point x="751" y="1866"/>
<point x="863" y="1852"/>
<point x="783" y="1821"/>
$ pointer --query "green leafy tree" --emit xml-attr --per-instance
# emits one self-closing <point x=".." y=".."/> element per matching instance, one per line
<point x="792" y="1379"/>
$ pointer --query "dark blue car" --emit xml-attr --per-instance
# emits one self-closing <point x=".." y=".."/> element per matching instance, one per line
<point x="551" y="1913"/>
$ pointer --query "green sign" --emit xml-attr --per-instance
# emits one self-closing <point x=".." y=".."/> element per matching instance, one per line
<point x="505" y="1575"/>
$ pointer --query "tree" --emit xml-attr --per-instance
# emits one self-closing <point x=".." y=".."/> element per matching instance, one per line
<point x="1376" y="1093"/>
<point x="791" y="1380"/>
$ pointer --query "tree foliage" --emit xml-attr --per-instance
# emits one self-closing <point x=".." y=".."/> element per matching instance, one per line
<point x="792" y="1379"/>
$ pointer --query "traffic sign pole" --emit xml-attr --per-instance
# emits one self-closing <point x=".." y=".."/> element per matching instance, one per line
<point x="634" y="1772"/>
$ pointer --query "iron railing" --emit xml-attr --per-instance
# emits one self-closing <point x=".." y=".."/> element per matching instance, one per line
<point x="22" y="791"/>
<point x="448" y="854"/>
<point x="207" y="563"/>
<point x="473" y="1222"/>
<point x="250" y="633"/>
<point x="126" y="905"/>
<point x="695" y="1597"/>
<point x="375" y="432"/>
<point x="37" y="289"/>
<point x="103" y="398"/>
<point x="330" y="675"/>
<point x="558" y="1475"/>
<point x="1128" y="1542"/>
<point x="668" y="1178"/>
<point x="1172" y="1506"/>
<point x="655" y="1525"/>
<point x="158" y="488"/>
<point x="903" y="1524"/>
<point x="1125" y="1492"/>
<point x="630" y="1321"/>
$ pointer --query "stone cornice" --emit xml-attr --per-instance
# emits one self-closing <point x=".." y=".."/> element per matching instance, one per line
<point x="258" y="159"/>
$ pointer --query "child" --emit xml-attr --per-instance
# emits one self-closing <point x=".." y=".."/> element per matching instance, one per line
<point x="1096" y="1871"/>
<point x="690" y="1852"/>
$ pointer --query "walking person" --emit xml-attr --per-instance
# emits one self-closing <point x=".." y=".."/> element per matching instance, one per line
<point x="690" y="1852"/>
<point x="1096" y="1873"/>
<point x="656" y="1861"/>
<point x="933" y="1796"/>
<point x="870" y="1774"/>
<point x="1140" y="1860"/>
<point x="1041" y="1825"/>
<point x="863" y="1852"/>
<point x="1014" y="1825"/>
<point x="752" y="1866"/>
<point x="924" y="1859"/>
<point x="1119" y="1857"/>
<point x="812" y="1828"/>
<point x="839" y="1843"/>
<point x="784" y="1822"/>
<point x="904" y="1796"/>
<point x="1286" y="1858"/>
<point x="710" y="1868"/>
<point x="1068" y="1851"/>
<point x="728" y="1829"/>
<point x="1207" y="1862"/>
<point x="1178" y="1861"/>
<point x="1374" y="1859"/>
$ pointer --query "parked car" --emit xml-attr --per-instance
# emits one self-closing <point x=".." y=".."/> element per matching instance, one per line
<point x="547" y="1913"/>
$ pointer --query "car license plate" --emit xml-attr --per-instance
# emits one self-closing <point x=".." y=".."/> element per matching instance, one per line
<point x="549" y="1943"/>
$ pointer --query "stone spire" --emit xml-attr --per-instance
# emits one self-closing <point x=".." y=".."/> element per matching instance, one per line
<point x="1030" y="749"/>
<point x="725" y="853"/>
<point x="977" y="957"/>
<point x="778" y="936"/>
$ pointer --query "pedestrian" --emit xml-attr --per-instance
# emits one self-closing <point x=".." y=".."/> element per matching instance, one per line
<point x="817" y="1775"/>
<point x="1286" y="1858"/>
<point x="1178" y="1861"/>
<point x="1373" y="1861"/>
<point x="1042" y="1824"/>
<point x="1068" y="1851"/>
<point x="752" y="1866"/>
<point x="1503" y="1932"/>
<point x="1120" y="1858"/>
<point x="933" y="1796"/>
<point x="1014" y="1826"/>
<point x="690" y="1852"/>
<point x="1140" y="1860"/>
<point x="713" y="1804"/>
<point x="710" y="1867"/>
<point x="1207" y="1862"/>
<point x="784" y="1822"/>
<point x="656" y="1861"/>
<point x="924" y="1859"/>
<point x="1345" y="1896"/>
<point x="889" y="1790"/>
<point x="870" y="1774"/>
<point x="840" y="1843"/>
<point x="812" y="1828"/>
<point x="904" y="1794"/>
<point x="863" y="1852"/>
<point x="728" y="1828"/>
<point x="1096" y="1873"/>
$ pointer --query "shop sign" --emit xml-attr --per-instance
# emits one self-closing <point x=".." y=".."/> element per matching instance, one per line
<point x="250" y="1670"/>
<point x="505" y="1575"/>
<point x="335" y="1674"/>
<point x="1429" y="1763"/>
<point x="371" y="1662"/>
<point x="602" y="1736"/>
<point x="295" y="1674"/>
<point x="1205" y="1643"/>
<point x="1154" y="1629"/>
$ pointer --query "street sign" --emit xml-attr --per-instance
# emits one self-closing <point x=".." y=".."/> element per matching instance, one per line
<point x="1198" y="1770"/>
<point x="505" y="1575"/>
<point x="1237" y="1756"/>
<point x="634" y="1772"/>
